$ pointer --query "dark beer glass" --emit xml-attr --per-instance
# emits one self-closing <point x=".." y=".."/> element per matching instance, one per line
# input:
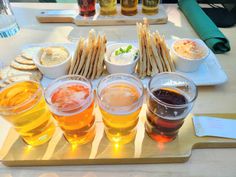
<point x="87" y="7"/>
<point x="170" y="98"/>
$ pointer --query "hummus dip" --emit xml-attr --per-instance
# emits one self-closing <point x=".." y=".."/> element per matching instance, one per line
<point x="53" y="55"/>
<point x="189" y="49"/>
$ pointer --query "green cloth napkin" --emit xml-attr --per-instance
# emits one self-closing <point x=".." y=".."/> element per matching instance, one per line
<point x="203" y="25"/>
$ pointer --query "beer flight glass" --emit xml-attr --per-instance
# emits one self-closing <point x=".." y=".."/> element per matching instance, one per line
<point x="120" y="99"/>
<point x="170" y="98"/>
<point x="23" y="105"/>
<point x="87" y="7"/>
<point x="108" y="7"/>
<point x="71" y="101"/>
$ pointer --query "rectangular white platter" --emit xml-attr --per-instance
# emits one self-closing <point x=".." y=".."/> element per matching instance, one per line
<point x="209" y="73"/>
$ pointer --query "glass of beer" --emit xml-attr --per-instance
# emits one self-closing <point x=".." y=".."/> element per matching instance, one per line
<point x="108" y="7"/>
<point x="170" y="98"/>
<point x="71" y="101"/>
<point x="129" y="7"/>
<point x="120" y="99"/>
<point x="87" y="7"/>
<point x="22" y="104"/>
<point x="150" y="7"/>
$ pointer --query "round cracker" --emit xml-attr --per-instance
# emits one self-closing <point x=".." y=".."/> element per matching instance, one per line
<point x="9" y="71"/>
<point x="22" y="60"/>
<point x="22" y="66"/>
<point x="29" y="53"/>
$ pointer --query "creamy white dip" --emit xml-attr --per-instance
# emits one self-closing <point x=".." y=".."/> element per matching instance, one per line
<point x="124" y="58"/>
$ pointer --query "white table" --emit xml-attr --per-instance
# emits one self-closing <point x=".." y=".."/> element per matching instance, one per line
<point x="214" y="99"/>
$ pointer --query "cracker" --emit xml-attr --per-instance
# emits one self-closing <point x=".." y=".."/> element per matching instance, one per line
<point x="29" y="53"/>
<point x="152" y="57"/>
<point x="82" y="59"/>
<point x="144" y="54"/>
<point x="91" y="45"/>
<point x="79" y="56"/>
<point x="148" y="53"/>
<point x="2" y="84"/>
<point x="168" y="57"/>
<point x="22" y="66"/>
<point x="157" y="38"/>
<point x="94" y="71"/>
<point x="22" y="60"/>
<point x="75" y="57"/>
<point x="94" y="56"/>
<point x="156" y="55"/>
<point x="9" y="71"/>
<point x="100" y="65"/>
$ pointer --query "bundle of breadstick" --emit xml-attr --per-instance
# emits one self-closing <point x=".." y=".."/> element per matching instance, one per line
<point x="154" y="53"/>
<point x="88" y="60"/>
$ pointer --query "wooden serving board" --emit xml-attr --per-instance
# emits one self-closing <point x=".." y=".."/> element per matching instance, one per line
<point x="71" y="16"/>
<point x="58" y="151"/>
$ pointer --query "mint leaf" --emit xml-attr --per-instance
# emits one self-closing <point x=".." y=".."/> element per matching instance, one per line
<point x="128" y="48"/>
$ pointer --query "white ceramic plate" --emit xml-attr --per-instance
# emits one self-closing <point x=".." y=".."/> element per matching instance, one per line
<point x="209" y="73"/>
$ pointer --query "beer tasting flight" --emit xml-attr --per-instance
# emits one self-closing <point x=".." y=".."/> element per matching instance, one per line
<point x="119" y="68"/>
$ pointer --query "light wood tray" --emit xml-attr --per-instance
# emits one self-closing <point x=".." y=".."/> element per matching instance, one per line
<point x="71" y="16"/>
<point x="142" y="150"/>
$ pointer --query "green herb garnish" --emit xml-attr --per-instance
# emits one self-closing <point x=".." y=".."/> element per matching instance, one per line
<point x="121" y="50"/>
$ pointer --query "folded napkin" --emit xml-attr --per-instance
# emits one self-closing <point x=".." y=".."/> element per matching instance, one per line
<point x="203" y="25"/>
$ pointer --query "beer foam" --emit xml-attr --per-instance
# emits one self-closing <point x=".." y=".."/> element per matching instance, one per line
<point x="75" y="99"/>
<point x="120" y="97"/>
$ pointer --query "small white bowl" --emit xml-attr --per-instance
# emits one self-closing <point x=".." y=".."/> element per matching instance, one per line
<point x="186" y="64"/>
<point x="54" y="71"/>
<point x="115" y="68"/>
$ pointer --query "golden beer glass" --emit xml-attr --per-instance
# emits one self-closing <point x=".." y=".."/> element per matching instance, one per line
<point x="150" y="7"/>
<point x="120" y="99"/>
<point x="108" y="7"/>
<point x="129" y="7"/>
<point x="22" y="104"/>
<point x="71" y="101"/>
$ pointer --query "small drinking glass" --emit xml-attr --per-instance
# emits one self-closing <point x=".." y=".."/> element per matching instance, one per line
<point x="23" y="105"/>
<point x="170" y="98"/>
<point x="71" y="101"/>
<point x="120" y="99"/>
<point x="129" y="7"/>
<point x="87" y="7"/>
<point x="108" y="7"/>
<point x="150" y="7"/>
<point x="8" y="25"/>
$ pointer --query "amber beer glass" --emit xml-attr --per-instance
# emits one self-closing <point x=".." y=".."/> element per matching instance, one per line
<point x="108" y="7"/>
<point x="129" y="7"/>
<point x="22" y="104"/>
<point x="120" y="98"/>
<point x="170" y="98"/>
<point x="150" y="7"/>
<point x="71" y="101"/>
<point x="87" y="7"/>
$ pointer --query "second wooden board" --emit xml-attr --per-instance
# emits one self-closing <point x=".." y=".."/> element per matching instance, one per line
<point x="71" y="16"/>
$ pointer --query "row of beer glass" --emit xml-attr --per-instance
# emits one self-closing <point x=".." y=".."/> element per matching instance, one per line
<point x="70" y="100"/>
<point x="108" y="7"/>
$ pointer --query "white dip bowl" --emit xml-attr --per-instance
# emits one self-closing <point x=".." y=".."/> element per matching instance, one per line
<point x="119" y="68"/>
<point x="53" y="71"/>
<point x="187" y="59"/>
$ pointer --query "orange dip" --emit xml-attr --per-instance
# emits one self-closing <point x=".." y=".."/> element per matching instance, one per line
<point x="189" y="49"/>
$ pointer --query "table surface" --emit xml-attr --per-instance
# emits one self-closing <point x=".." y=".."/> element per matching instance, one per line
<point x="212" y="99"/>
